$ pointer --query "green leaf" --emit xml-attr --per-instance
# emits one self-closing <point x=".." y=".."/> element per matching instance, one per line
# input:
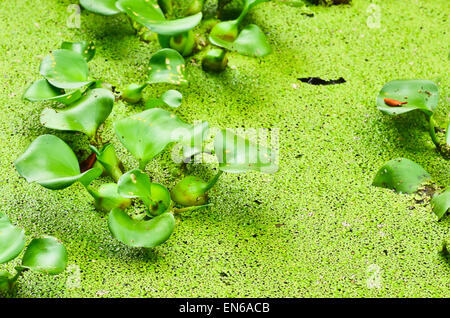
<point x="146" y="134"/>
<point x="134" y="184"/>
<point x="50" y="162"/>
<point x="166" y="66"/>
<point x="108" y="159"/>
<point x="252" y="42"/>
<point x="45" y="255"/>
<point x="65" y="69"/>
<point x="85" y="49"/>
<point x="85" y="115"/>
<point x="12" y="240"/>
<point x="172" y="98"/>
<point x="149" y="14"/>
<point x="103" y="7"/>
<point x="42" y="90"/>
<point x="237" y="154"/>
<point x="107" y="198"/>
<point x="401" y="175"/>
<point x="137" y="184"/>
<point x="441" y="203"/>
<point x="224" y="33"/>
<point x="161" y="196"/>
<point x="420" y="95"/>
<point x="140" y="233"/>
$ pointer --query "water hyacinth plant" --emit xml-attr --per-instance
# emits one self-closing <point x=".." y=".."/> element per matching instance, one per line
<point x="250" y="40"/>
<point x="176" y="34"/>
<point x="50" y="162"/>
<point x="405" y="96"/>
<point x="403" y="175"/>
<point x="45" y="255"/>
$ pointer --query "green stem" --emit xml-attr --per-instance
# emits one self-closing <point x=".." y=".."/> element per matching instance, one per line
<point x="190" y="208"/>
<point x="213" y="181"/>
<point x="14" y="279"/>
<point x="94" y="193"/>
<point x="116" y="173"/>
<point x="142" y="165"/>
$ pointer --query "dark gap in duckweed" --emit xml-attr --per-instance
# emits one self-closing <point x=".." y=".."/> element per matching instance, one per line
<point x="319" y="81"/>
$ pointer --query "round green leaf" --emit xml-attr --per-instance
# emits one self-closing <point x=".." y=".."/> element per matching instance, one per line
<point x="134" y="184"/>
<point x="172" y="98"/>
<point x="252" y="42"/>
<point x="441" y="203"/>
<point x="140" y="233"/>
<point x="103" y="7"/>
<point x="419" y="94"/>
<point x="45" y="255"/>
<point x="12" y="240"/>
<point x="85" y="115"/>
<point x="85" y="49"/>
<point x="149" y="14"/>
<point x="146" y="134"/>
<point x="166" y="66"/>
<point x="42" y="90"/>
<point x="401" y="175"/>
<point x="237" y="154"/>
<point x="65" y="69"/>
<point x="50" y="162"/>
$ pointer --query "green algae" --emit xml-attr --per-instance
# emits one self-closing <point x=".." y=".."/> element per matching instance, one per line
<point x="317" y="227"/>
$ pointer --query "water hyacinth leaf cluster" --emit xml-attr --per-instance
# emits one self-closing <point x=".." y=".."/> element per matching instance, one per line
<point x="45" y="255"/>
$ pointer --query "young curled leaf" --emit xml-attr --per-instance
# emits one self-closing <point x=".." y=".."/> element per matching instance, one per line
<point x="12" y="240"/>
<point x="135" y="233"/>
<point x="441" y="203"/>
<point x="108" y="159"/>
<point x="50" y="162"/>
<point x="85" y="115"/>
<point x="65" y="69"/>
<point x="45" y="255"/>
<point x="42" y="90"/>
<point x="401" y="175"/>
